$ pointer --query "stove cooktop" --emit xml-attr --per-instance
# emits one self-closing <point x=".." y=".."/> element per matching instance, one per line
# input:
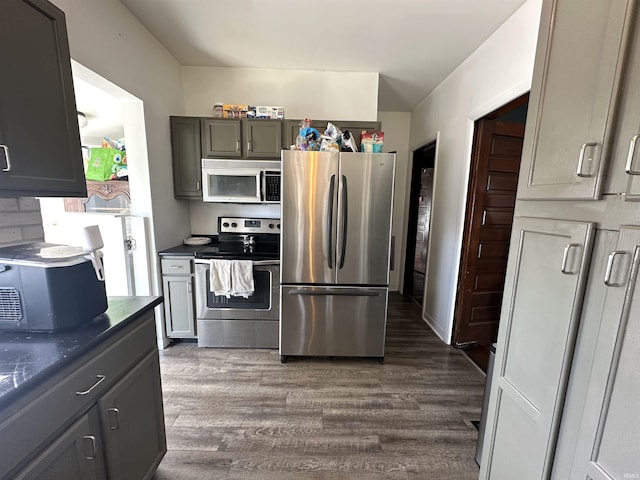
<point x="240" y="251"/>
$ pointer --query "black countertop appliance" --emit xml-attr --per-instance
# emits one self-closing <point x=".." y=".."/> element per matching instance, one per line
<point x="48" y="287"/>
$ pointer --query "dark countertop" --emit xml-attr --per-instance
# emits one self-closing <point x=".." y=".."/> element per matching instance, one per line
<point x="180" y="251"/>
<point x="26" y="359"/>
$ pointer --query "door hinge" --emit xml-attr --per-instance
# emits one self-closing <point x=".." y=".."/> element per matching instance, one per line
<point x="130" y="242"/>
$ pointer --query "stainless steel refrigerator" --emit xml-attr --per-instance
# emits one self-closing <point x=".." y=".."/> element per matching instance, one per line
<point x="335" y="247"/>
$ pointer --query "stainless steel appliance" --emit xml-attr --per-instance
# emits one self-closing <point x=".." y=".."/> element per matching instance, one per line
<point x="240" y="181"/>
<point x="237" y="321"/>
<point x="336" y="224"/>
<point x="48" y="287"/>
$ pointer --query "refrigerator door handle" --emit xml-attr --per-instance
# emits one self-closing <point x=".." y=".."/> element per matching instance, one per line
<point x="332" y="188"/>
<point x="337" y="293"/>
<point x="345" y="209"/>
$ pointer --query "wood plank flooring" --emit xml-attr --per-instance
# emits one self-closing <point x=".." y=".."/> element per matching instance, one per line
<point x="240" y="414"/>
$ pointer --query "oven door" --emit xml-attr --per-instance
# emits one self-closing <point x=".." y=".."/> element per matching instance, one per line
<point x="232" y="185"/>
<point x="262" y="305"/>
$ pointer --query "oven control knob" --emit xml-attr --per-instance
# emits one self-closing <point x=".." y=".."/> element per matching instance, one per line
<point x="278" y="226"/>
<point x="234" y="224"/>
<point x="225" y="224"/>
<point x="271" y="225"/>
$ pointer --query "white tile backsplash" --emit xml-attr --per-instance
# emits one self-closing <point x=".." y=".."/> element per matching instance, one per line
<point x="204" y="216"/>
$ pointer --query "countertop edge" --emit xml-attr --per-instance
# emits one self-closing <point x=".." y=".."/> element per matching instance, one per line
<point x="147" y="303"/>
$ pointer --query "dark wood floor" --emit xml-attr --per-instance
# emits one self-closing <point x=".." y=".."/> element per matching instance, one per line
<point x="240" y="414"/>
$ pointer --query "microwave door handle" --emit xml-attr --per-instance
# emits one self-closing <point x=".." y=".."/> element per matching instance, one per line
<point x="263" y="186"/>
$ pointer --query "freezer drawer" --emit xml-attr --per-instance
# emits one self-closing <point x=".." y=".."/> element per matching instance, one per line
<point x="333" y="321"/>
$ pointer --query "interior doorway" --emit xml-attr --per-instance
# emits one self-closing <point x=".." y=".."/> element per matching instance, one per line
<point x="493" y="181"/>
<point x="420" y="199"/>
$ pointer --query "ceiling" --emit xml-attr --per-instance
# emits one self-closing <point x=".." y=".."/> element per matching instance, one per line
<point x="412" y="44"/>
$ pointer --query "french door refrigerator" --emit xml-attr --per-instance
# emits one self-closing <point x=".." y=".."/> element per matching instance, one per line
<point x="335" y="249"/>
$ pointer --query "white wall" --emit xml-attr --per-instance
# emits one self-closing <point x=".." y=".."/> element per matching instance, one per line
<point x="302" y="93"/>
<point x="497" y="72"/>
<point x="396" y="127"/>
<point x="106" y="39"/>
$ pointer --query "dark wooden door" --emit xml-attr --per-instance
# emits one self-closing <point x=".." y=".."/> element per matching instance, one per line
<point x="422" y="233"/>
<point x="490" y="204"/>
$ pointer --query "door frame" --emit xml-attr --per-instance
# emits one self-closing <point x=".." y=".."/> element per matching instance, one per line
<point x="466" y="236"/>
<point x="418" y="163"/>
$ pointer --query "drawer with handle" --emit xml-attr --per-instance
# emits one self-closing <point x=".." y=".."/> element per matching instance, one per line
<point x="176" y="266"/>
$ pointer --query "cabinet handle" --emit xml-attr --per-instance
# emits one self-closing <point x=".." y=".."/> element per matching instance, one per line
<point x="249" y="146"/>
<point x="92" y="447"/>
<point x="632" y="152"/>
<point x="86" y="392"/>
<point x="7" y="159"/>
<point x="565" y="257"/>
<point x="238" y="145"/>
<point x="198" y="186"/>
<point x="583" y="149"/>
<point x="609" y="271"/>
<point x="113" y="414"/>
<point x="484" y="217"/>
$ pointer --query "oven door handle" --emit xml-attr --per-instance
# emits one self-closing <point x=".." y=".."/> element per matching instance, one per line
<point x="256" y="263"/>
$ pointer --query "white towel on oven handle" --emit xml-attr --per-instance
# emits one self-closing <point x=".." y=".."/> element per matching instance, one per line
<point x="220" y="277"/>
<point x="242" y="278"/>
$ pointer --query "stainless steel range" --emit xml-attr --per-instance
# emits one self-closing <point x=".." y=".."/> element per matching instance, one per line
<point x="236" y="321"/>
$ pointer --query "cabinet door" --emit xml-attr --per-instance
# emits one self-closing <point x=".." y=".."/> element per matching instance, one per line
<point x="133" y="423"/>
<point x="75" y="455"/>
<point x="39" y="138"/>
<point x="263" y="137"/>
<point x="607" y="447"/>
<point x="624" y="173"/>
<point x="186" y="151"/>
<point x="545" y="281"/>
<point x="576" y="79"/>
<point x="178" y="306"/>
<point x="221" y="138"/>
<point x="356" y="129"/>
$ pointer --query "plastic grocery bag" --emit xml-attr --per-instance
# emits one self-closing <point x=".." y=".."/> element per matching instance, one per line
<point x="105" y="163"/>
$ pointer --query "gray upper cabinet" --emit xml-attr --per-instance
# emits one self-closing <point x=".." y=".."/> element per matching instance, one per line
<point x="185" y="147"/>
<point x="221" y="137"/>
<point x="292" y="128"/>
<point x="40" y="151"/>
<point x="545" y="280"/>
<point x="624" y="173"/>
<point x="263" y="138"/>
<point x="577" y="77"/>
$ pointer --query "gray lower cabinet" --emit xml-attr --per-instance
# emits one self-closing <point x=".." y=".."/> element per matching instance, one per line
<point x="606" y="427"/>
<point x="574" y="97"/>
<point x="99" y="418"/>
<point x="132" y="422"/>
<point x="544" y="287"/>
<point x="36" y="95"/>
<point x="187" y="154"/>
<point x="177" y="284"/>
<point x="75" y="455"/>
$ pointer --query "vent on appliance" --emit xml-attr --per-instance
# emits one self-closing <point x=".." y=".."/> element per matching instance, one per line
<point x="10" y="307"/>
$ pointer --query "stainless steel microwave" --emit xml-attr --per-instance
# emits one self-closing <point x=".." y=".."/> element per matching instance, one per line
<point x="240" y="181"/>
